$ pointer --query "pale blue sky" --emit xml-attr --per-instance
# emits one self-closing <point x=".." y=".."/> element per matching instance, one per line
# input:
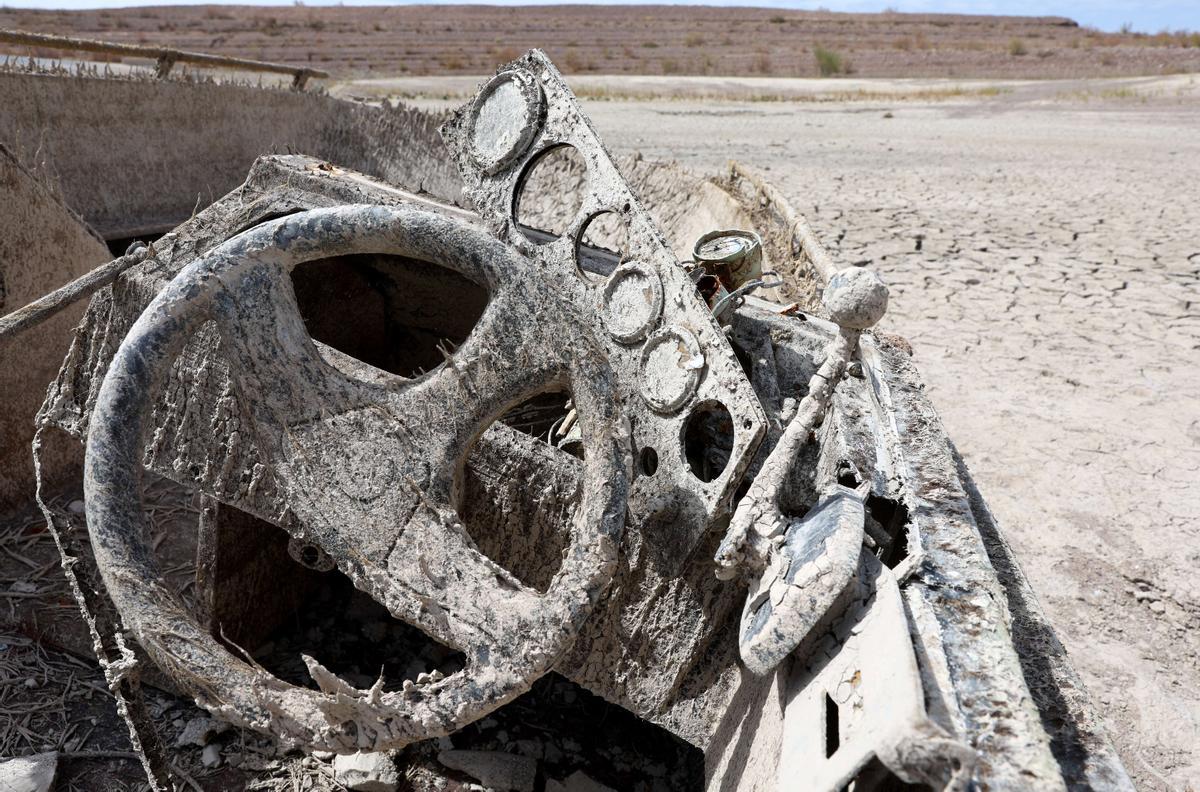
<point x="1145" y="15"/>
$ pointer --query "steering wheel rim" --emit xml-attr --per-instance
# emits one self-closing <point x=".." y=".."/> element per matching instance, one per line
<point x="460" y="596"/>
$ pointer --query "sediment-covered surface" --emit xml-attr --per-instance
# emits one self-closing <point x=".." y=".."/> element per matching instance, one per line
<point x="1044" y="261"/>
<point x="43" y="245"/>
<point x="136" y="156"/>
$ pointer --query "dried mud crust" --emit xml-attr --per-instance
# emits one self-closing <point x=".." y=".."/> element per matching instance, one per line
<point x="1043" y="262"/>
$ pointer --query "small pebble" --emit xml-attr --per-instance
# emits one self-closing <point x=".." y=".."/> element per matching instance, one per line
<point x="367" y="772"/>
<point x="211" y="756"/>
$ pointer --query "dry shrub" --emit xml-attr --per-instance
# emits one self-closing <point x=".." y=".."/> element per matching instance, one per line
<point x="1180" y="38"/>
<point x="829" y="63"/>
<point x="1017" y="48"/>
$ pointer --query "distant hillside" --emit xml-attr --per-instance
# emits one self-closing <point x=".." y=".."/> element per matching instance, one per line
<point x="426" y="39"/>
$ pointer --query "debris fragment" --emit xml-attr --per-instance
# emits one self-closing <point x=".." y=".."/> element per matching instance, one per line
<point x="367" y="772"/>
<point x="29" y="773"/>
<point x="211" y="755"/>
<point x="200" y="731"/>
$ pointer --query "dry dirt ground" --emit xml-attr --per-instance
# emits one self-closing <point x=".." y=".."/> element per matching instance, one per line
<point x="1044" y="260"/>
<point x="1042" y="247"/>
<point x="423" y="39"/>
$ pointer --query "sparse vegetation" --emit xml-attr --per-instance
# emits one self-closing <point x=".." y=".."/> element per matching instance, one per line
<point x="829" y="63"/>
<point x="1111" y="94"/>
<point x="718" y="41"/>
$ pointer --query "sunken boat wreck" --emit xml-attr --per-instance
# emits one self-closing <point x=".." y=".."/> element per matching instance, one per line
<point x="606" y="464"/>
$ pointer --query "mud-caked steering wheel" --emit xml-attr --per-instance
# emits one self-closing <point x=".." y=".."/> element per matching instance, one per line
<point x="368" y="469"/>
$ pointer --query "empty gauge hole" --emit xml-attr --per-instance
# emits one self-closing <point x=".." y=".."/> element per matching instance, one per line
<point x="603" y="244"/>
<point x="550" y="193"/>
<point x="649" y="461"/>
<point x="708" y="440"/>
